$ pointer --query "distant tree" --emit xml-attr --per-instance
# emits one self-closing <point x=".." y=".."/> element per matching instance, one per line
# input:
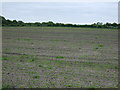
<point x="94" y="25"/>
<point x="37" y="24"/>
<point x="99" y="23"/>
<point x="21" y="23"/>
<point x="59" y="24"/>
<point x="50" y="23"/>
<point x="8" y="22"/>
<point x="2" y="18"/>
<point x="118" y="25"/>
<point x="14" y="23"/>
<point x="2" y="21"/>
<point x="108" y="24"/>
<point x="69" y="25"/>
<point x="44" y="24"/>
<point x="28" y="24"/>
<point x="114" y="24"/>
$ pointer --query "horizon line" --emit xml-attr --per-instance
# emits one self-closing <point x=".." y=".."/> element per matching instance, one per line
<point x="58" y="22"/>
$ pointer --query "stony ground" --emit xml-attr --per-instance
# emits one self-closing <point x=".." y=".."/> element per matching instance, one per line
<point x="57" y="57"/>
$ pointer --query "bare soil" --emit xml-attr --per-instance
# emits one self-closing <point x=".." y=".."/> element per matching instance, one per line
<point x="57" y="57"/>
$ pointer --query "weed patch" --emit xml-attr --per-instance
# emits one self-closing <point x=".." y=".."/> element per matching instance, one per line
<point x="30" y="58"/>
<point x="100" y="45"/>
<point x="36" y="77"/>
<point x="23" y="39"/>
<point x="45" y="66"/>
<point x="5" y="58"/>
<point x="5" y="86"/>
<point x="59" y="57"/>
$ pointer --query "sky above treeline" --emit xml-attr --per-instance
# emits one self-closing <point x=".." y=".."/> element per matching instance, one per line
<point x="62" y="12"/>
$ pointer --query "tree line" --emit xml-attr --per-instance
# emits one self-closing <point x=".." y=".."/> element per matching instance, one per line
<point x="7" y="22"/>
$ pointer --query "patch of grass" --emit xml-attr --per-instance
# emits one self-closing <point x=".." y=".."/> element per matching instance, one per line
<point x="59" y="57"/>
<point x="71" y="86"/>
<point x="96" y="48"/>
<point x="32" y="72"/>
<point x="48" y="64"/>
<point x="116" y="67"/>
<point x="23" y="39"/>
<point x="91" y="87"/>
<point x="110" y="47"/>
<point x="100" y="45"/>
<point x="36" y="77"/>
<point x="83" y="56"/>
<point x="45" y="66"/>
<point x="0" y="58"/>
<point x="5" y="86"/>
<point x="29" y="58"/>
<point x="40" y="65"/>
<point x="58" y="40"/>
<point x="65" y="77"/>
<point x="24" y="56"/>
<point x="30" y="87"/>
<point x="6" y="49"/>
<point x="5" y="58"/>
<point x="97" y="66"/>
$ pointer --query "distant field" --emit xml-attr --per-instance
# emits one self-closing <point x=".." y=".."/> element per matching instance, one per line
<point x="58" y="57"/>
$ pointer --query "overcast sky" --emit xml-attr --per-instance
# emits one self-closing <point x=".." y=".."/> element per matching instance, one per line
<point x="64" y="12"/>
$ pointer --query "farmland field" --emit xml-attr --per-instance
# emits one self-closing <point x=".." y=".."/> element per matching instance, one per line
<point x="59" y="57"/>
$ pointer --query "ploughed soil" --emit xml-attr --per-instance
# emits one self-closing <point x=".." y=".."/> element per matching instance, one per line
<point x="59" y="57"/>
